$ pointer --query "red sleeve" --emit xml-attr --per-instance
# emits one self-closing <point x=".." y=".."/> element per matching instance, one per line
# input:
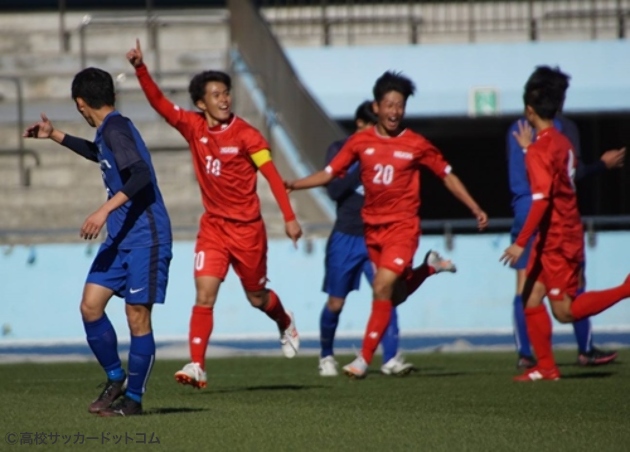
<point x="540" y="181"/>
<point x="539" y="172"/>
<point x="174" y="115"/>
<point x="253" y="141"/>
<point x="432" y="158"/>
<point x="536" y="212"/>
<point x="270" y="172"/>
<point x="342" y="161"/>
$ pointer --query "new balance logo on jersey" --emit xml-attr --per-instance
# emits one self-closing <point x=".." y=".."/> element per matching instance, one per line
<point x="369" y="151"/>
<point x="398" y="261"/>
<point x="204" y="140"/>
<point x="403" y="155"/>
<point x="229" y="150"/>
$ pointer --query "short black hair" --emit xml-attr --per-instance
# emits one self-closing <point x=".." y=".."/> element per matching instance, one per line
<point x="95" y="87"/>
<point x="365" y="113"/>
<point x="197" y="87"/>
<point x="550" y="76"/>
<point x="545" y="90"/>
<point x="393" y="81"/>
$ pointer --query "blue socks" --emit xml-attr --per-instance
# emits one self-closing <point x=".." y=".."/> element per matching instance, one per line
<point x="141" y="358"/>
<point x="101" y="338"/>
<point x="583" y="332"/>
<point x="520" y="328"/>
<point x="389" y="342"/>
<point x="328" y="322"/>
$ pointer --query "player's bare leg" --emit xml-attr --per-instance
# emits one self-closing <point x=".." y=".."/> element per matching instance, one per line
<point x="201" y="325"/>
<point x="539" y="330"/>
<point x="383" y="287"/>
<point x="268" y="301"/>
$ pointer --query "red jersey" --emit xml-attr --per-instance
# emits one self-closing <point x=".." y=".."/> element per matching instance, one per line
<point x="226" y="174"/>
<point x="551" y="166"/>
<point x="390" y="172"/>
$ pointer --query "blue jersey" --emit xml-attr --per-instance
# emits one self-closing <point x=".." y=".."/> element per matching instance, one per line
<point x="143" y="220"/>
<point x="519" y="183"/>
<point x="347" y="192"/>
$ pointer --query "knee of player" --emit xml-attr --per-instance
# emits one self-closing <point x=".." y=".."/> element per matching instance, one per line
<point x="205" y="299"/>
<point x="382" y="290"/>
<point x="335" y="304"/>
<point x="90" y="313"/>
<point x="562" y="311"/>
<point x="138" y="318"/>
<point x="258" y="298"/>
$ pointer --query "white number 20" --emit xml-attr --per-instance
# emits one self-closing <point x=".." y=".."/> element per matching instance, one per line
<point x="384" y="174"/>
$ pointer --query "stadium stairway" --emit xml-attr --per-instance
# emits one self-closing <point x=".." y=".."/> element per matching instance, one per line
<point x="64" y="188"/>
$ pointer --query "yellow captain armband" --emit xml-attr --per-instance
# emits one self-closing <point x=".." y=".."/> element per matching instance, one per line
<point x="261" y="157"/>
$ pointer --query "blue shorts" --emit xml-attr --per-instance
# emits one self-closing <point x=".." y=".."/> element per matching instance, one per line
<point x="138" y="275"/>
<point x="346" y="260"/>
<point x="519" y="221"/>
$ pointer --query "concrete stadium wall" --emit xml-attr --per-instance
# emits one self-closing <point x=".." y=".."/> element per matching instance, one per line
<point x="446" y="74"/>
<point x="40" y="290"/>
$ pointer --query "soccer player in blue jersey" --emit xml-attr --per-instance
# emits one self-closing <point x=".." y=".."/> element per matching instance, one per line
<point x="588" y="355"/>
<point x="347" y="260"/>
<point x="133" y="261"/>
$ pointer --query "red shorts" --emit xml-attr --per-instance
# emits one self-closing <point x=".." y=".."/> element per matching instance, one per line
<point x="221" y="243"/>
<point x="557" y="268"/>
<point x="393" y="245"/>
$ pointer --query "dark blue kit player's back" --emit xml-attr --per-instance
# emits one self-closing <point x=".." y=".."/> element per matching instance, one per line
<point x="133" y="261"/>
<point x="138" y="245"/>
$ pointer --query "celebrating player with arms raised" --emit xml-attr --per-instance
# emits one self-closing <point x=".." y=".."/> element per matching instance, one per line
<point x="227" y="152"/>
<point x="390" y="158"/>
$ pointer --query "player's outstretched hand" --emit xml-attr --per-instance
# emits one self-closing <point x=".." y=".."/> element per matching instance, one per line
<point x="289" y="186"/>
<point x="525" y="134"/>
<point x="93" y="225"/>
<point x="293" y="230"/>
<point x="482" y="219"/>
<point x="511" y="254"/>
<point x="41" y="129"/>
<point x="135" y="55"/>
<point x="614" y="158"/>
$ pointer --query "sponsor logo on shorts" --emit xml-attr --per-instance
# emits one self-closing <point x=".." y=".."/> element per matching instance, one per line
<point x="399" y="261"/>
<point x="136" y="290"/>
<point x="204" y="140"/>
<point x="263" y="280"/>
<point x="403" y="155"/>
<point x="554" y="291"/>
<point x="229" y="150"/>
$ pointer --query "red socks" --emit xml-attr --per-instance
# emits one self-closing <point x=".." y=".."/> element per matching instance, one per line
<point x="594" y="302"/>
<point x="201" y="323"/>
<point x="539" y="331"/>
<point x="275" y="311"/>
<point x="418" y="275"/>
<point x="379" y="320"/>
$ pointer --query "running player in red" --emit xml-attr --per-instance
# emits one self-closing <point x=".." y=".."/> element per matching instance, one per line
<point x="227" y="152"/>
<point x="390" y="158"/>
<point x="554" y="266"/>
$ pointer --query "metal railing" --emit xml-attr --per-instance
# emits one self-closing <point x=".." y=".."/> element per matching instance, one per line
<point x="347" y="20"/>
<point x="20" y="152"/>
<point x="153" y="21"/>
<point x="307" y="124"/>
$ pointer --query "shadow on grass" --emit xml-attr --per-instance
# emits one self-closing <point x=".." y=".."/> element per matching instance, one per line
<point x="172" y="410"/>
<point x="424" y="372"/>
<point x="587" y="375"/>
<point x="283" y="387"/>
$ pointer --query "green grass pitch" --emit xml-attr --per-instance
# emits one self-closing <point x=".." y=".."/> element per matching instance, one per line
<point x="453" y="402"/>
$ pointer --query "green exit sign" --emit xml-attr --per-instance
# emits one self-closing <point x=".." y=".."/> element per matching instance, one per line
<point x="483" y="101"/>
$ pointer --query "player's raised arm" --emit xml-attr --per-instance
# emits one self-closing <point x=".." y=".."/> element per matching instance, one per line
<point x="314" y="180"/>
<point x="337" y="167"/>
<point x="44" y="129"/>
<point x="173" y="114"/>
